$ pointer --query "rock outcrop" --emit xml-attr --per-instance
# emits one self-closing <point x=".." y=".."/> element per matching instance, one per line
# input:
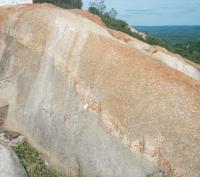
<point x="9" y="164"/>
<point x="87" y="99"/>
<point x="173" y="60"/>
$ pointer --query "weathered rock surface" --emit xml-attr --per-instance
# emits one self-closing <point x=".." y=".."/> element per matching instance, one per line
<point x="9" y="164"/>
<point x="173" y="60"/>
<point x="85" y="98"/>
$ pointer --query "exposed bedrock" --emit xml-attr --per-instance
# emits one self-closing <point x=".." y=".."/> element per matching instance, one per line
<point x="86" y="99"/>
<point x="9" y="163"/>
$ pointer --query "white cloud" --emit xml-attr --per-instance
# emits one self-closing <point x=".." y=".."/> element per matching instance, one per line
<point x="8" y="2"/>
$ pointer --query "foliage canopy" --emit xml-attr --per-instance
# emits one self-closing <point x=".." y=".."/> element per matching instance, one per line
<point x="67" y="4"/>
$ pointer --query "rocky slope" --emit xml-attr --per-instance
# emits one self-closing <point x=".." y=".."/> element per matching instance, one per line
<point x="87" y="99"/>
<point x="173" y="60"/>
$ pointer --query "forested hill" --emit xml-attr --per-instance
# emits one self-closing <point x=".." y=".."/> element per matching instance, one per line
<point x="174" y="34"/>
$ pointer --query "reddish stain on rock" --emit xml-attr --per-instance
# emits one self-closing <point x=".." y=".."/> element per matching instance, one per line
<point x="154" y="153"/>
<point x="167" y="168"/>
<point x="94" y="106"/>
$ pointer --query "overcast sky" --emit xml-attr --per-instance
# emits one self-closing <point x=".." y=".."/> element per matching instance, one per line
<point x="6" y="2"/>
<point x="156" y="12"/>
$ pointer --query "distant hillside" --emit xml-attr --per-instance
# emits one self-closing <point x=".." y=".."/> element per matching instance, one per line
<point x="175" y="34"/>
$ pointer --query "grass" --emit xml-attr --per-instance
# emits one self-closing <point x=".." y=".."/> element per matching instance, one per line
<point x="150" y="175"/>
<point x="33" y="163"/>
<point x="35" y="166"/>
<point x="155" y="173"/>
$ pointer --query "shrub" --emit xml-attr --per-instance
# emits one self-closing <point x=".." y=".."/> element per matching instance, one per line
<point x="67" y="4"/>
<point x="94" y="10"/>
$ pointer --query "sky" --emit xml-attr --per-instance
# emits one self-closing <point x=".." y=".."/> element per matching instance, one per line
<point x="155" y="12"/>
<point x="6" y="2"/>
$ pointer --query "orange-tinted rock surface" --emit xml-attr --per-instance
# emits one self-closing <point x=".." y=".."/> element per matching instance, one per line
<point x="86" y="98"/>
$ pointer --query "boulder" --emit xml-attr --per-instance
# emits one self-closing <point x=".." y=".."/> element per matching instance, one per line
<point x="9" y="163"/>
<point x="88" y="100"/>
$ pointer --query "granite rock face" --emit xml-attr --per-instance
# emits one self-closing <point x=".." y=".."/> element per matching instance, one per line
<point x="87" y="99"/>
<point x="9" y="164"/>
<point x="174" y="61"/>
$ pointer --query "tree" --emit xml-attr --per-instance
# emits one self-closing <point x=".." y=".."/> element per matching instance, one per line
<point x="112" y="13"/>
<point x="67" y="4"/>
<point x="94" y="10"/>
<point x="77" y="4"/>
<point x="99" y="6"/>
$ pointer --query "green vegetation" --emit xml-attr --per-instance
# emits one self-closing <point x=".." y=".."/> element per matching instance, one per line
<point x="150" y="175"/>
<point x="173" y="34"/>
<point x="190" y="50"/>
<point x="157" y="173"/>
<point x="35" y="166"/>
<point x="109" y="18"/>
<point x="33" y="163"/>
<point x="67" y="4"/>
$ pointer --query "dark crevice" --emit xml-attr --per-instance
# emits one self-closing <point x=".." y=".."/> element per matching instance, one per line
<point x="3" y="115"/>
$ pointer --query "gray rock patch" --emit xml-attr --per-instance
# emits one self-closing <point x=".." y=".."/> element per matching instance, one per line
<point x="9" y="164"/>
